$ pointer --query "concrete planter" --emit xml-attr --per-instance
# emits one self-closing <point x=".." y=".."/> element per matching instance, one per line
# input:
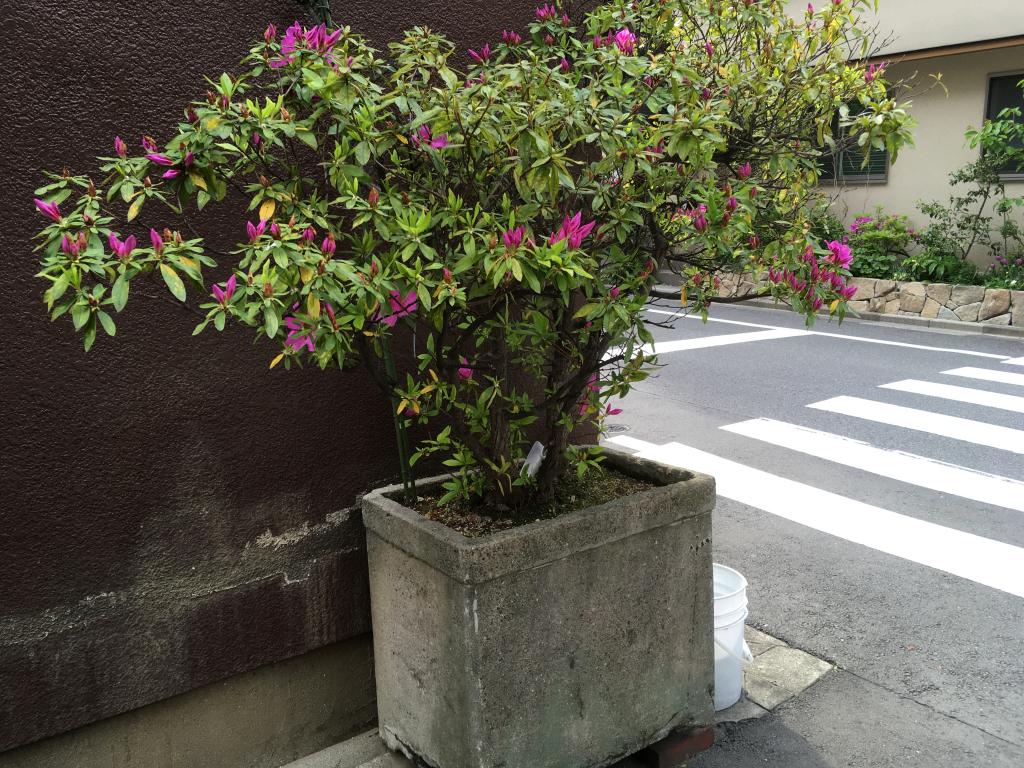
<point x="564" y="643"/>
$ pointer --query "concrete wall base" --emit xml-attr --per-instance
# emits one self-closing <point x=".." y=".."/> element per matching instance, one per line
<point x="260" y="719"/>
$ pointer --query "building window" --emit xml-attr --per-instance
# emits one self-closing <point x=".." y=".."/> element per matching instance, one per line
<point x="846" y="166"/>
<point x="1006" y="92"/>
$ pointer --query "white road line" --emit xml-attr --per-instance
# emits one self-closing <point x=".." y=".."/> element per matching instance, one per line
<point x="925" y="347"/>
<point x="984" y="561"/>
<point x="984" y="374"/>
<point x="905" y="467"/>
<point x="1015" y="361"/>
<point x="710" y="319"/>
<point x="969" y="431"/>
<point x="960" y="394"/>
<point x="704" y="342"/>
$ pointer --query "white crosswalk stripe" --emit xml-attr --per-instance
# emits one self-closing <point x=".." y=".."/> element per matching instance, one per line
<point x="986" y="374"/>
<point x="906" y="467"/>
<point x="960" y="394"/>
<point x="967" y="430"/>
<point x="982" y="560"/>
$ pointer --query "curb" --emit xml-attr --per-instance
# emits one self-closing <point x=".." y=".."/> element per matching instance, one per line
<point x="1006" y="331"/>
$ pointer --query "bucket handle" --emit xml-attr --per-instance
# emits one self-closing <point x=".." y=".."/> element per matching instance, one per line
<point x="746" y="658"/>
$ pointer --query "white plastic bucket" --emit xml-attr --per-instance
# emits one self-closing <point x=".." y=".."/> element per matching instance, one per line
<point x="731" y="650"/>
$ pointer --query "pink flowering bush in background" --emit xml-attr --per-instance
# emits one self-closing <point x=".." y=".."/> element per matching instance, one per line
<point x="503" y="212"/>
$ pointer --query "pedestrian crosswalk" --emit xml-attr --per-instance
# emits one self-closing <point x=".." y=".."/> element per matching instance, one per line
<point x="986" y="395"/>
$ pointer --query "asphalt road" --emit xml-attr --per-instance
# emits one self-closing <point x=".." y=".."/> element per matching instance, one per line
<point x="881" y="528"/>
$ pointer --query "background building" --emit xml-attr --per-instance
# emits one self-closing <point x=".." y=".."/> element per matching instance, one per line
<point x="978" y="48"/>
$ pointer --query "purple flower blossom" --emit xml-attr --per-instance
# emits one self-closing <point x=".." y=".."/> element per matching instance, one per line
<point x="424" y="137"/>
<point x="513" y="238"/>
<point x="275" y="230"/>
<point x="709" y="49"/>
<point x="625" y="40"/>
<point x="511" y="38"/>
<point x="156" y="240"/>
<point x="122" y="249"/>
<point x="744" y="171"/>
<point x="614" y="292"/>
<point x="223" y="295"/>
<point x="255" y="231"/>
<point x="573" y="230"/>
<point x="270" y="33"/>
<point x="731" y="204"/>
<point x="171" y="174"/>
<point x="328" y="246"/>
<point x="401" y="306"/>
<point x="120" y="147"/>
<point x="48" y="209"/>
<point x="159" y="159"/>
<point x="296" y="338"/>
<point x="564" y="65"/>
<point x="308" y="234"/>
<point x="546" y="12"/>
<point x="148" y="144"/>
<point x="483" y="56"/>
<point x="841" y="254"/>
<point x="465" y="372"/>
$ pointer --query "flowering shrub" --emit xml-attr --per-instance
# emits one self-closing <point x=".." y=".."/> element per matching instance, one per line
<point x="1007" y="272"/>
<point x="881" y="242"/>
<point x="512" y="215"/>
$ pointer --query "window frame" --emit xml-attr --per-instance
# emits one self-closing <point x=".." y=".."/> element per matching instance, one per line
<point x="1019" y="74"/>
<point x="855" y="179"/>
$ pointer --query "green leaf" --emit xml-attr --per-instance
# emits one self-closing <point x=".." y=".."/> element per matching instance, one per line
<point x="119" y="293"/>
<point x="107" y="322"/>
<point x="90" y="336"/>
<point x="173" y="281"/>
<point x="270" y="322"/>
<point x="135" y="207"/>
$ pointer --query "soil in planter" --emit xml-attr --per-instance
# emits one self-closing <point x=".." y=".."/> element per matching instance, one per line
<point x="572" y="494"/>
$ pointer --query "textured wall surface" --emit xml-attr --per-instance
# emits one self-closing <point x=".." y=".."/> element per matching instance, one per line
<point x="171" y="512"/>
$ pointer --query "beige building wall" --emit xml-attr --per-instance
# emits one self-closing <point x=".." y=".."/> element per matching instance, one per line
<point x="922" y="172"/>
<point x="914" y="25"/>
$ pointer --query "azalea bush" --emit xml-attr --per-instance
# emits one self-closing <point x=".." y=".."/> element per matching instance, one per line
<point x="501" y="211"/>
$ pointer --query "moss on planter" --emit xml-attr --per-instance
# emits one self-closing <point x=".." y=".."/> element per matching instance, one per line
<point x="572" y="494"/>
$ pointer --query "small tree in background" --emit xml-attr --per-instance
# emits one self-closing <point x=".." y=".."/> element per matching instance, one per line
<point x="512" y="215"/>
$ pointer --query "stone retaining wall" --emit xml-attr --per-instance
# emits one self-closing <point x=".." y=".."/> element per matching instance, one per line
<point x="966" y="303"/>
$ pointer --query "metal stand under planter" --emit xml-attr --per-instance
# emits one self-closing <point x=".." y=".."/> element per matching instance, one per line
<point x="565" y="643"/>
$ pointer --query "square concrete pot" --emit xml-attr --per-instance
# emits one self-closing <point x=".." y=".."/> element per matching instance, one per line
<point x="565" y="643"/>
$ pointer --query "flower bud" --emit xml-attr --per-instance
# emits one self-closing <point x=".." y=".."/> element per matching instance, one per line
<point x="373" y="197"/>
<point x="268" y="290"/>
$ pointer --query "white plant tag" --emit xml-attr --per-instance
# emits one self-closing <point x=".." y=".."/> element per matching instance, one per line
<point x="534" y="459"/>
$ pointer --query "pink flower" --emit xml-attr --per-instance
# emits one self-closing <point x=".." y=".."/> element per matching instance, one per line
<point x="308" y="234"/>
<point x="513" y="238"/>
<point x="48" y="209"/>
<point x="817" y="303"/>
<point x="483" y="56"/>
<point x="625" y="40"/>
<point x="270" y="33"/>
<point x="148" y="144"/>
<point x="156" y="240"/>
<point x="709" y="49"/>
<point x="731" y="204"/>
<point x="573" y="230"/>
<point x="296" y="339"/>
<point x="874" y="70"/>
<point x="564" y="65"/>
<point x="255" y="231"/>
<point x="609" y="411"/>
<point x="223" y="295"/>
<point x="549" y="40"/>
<point x="546" y="12"/>
<point x="744" y="171"/>
<point x="511" y="38"/>
<point x="465" y="372"/>
<point x="275" y="230"/>
<point x="841" y="254"/>
<point x="614" y="292"/>
<point x="159" y="159"/>
<point x="424" y="136"/>
<point x="401" y="306"/>
<point x="754" y="242"/>
<point x="120" y="147"/>
<point x="329" y="246"/>
<point x="122" y="249"/>
<point x="171" y="174"/>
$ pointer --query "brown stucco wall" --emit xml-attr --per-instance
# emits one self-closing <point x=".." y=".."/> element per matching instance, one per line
<point x="171" y="512"/>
